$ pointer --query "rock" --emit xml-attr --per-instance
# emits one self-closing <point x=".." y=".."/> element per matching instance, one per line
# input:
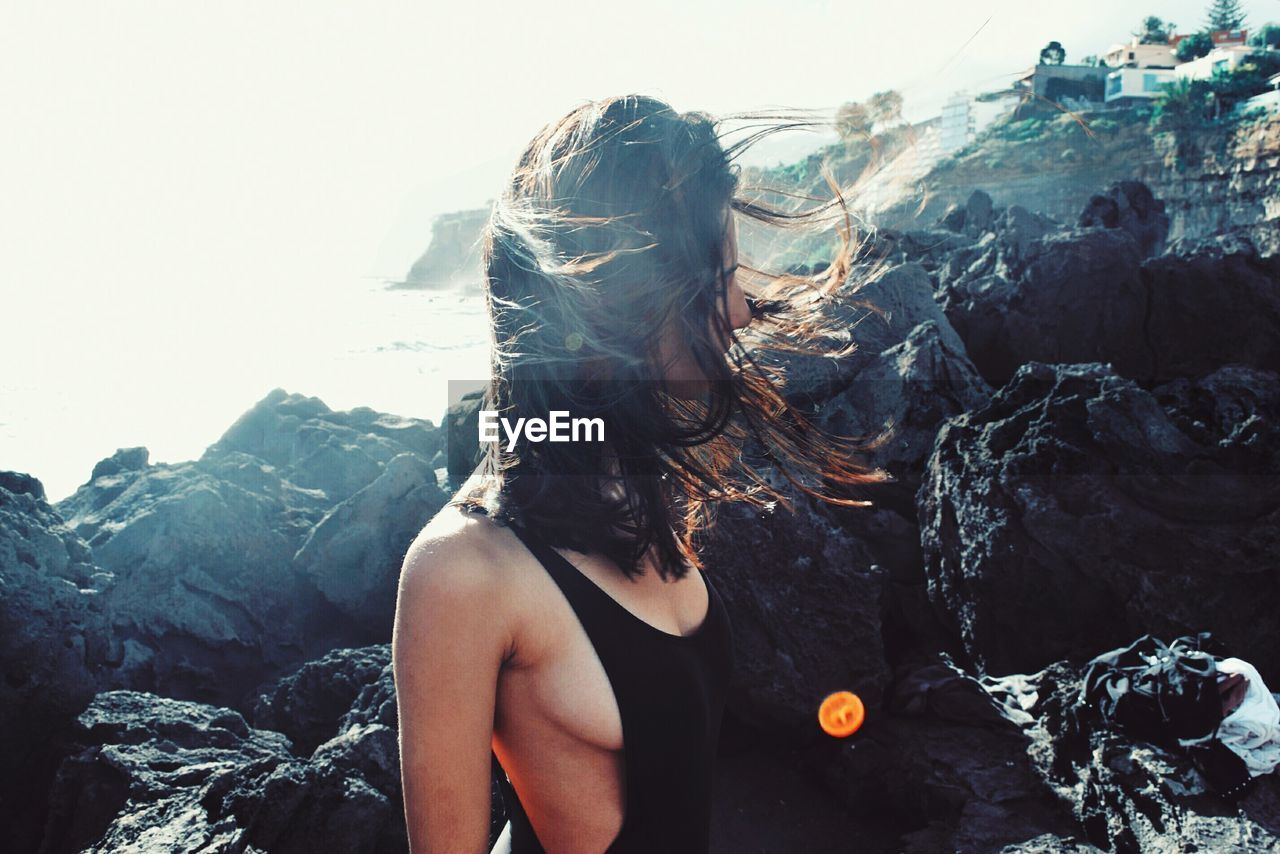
<point x="314" y="447"/>
<point x="905" y="294"/>
<point x="1240" y="292"/>
<point x="55" y="644"/>
<point x="309" y="704"/>
<point x="1129" y="795"/>
<point x="1077" y="510"/>
<point x="1129" y="205"/>
<point x="185" y="776"/>
<point x="952" y="218"/>
<point x="208" y="602"/>
<point x="978" y="213"/>
<point x="454" y="255"/>
<point x="462" y="437"/>
<point x="1018" y="228"/>
<point x="124" y="459"/>
<point x="909" y="388"/>
<point x="1068" y="297"/>
<point x="354" y="554"/>
<point x="947" y="768"/>
<point x="20" y="483"/>
<point x="805" y="601"/>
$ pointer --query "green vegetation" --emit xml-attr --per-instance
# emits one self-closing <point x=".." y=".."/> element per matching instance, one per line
<point x="1194" y="46"/>
<point x="1188" y="104"/>
<point x="1053" y="54"/>
<point x="1225" y="15"/>
<point x="1155" y="30"/>
<point x="1268" y="35"/>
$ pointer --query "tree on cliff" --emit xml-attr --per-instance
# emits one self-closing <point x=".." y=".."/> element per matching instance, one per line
<point x="1154" y="30"/>
<point x="1053" y="54"/>
<point x="885" y="107"/>
<point x="1225" y="15"/>
<point x="1193" y="46"/>
<point x="853" y="121"/>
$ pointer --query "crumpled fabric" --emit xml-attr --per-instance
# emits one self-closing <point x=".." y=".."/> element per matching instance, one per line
<point x="1166" y="694"/>
<point x="1252" y="731"/>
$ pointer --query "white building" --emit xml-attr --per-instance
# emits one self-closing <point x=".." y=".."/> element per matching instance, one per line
<point x="1220" y="59"/>
<point x="1132" y="83"/>
<point x="1135" y="55"/>
<point x="957" y="125"/>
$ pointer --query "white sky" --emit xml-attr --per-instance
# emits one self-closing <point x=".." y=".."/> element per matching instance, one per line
<point x="179" y="177"/>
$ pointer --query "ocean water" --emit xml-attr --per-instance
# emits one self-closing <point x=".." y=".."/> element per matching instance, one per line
<point x="175" y="388"/>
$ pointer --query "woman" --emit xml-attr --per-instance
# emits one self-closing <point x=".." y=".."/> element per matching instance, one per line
<point x="555" y="614"/>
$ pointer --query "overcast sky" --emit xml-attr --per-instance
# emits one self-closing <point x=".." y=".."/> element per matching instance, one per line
<point x="177" y="178"/>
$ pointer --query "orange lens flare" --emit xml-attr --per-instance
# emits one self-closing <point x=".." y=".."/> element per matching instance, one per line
<point x="841" y="714"/>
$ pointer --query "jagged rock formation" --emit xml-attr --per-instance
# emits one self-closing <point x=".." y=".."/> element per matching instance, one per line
<point x="454" y="253"/>
<point x="54" y="644"/>
<point x="1077" y="511"/>
<point x="283" y="540"/>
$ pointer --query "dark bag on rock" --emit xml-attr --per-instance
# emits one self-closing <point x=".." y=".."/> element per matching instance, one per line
<point x="1166" y="695"/>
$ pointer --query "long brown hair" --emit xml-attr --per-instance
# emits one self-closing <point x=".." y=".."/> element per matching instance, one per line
<point x="612" y="227"/>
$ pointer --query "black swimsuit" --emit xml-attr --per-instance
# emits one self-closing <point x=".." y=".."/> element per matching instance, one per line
<point x="670" y="690"/>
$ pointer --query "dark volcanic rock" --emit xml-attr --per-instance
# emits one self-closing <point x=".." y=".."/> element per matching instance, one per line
<point x="911" y="387"/>
<point x="905" y="294"/>
<point x="1130" y="795"/>
<point x="805" y="599"/>
<point x="1077" y="511"/>
<point x="1129" y="205"/>
<point x="1069" y="297"/>
<point x="315" y="447"/>
<point x="171" y="775"/>
<point x="1024" y="293"/>
<point x="1211" y="309"/>
<point x="208" y="602"/>
<point x="309" y="704"/>
<point x="947" y="768"/>
<point x="353" y="555"/>
<point x="55" y="644"/>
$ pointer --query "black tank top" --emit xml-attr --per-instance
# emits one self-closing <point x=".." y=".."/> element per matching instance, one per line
<point x="670" y="690"/>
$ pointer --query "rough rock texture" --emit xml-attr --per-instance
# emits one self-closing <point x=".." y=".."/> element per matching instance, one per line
<point x="55" y="644"/>
<point x="947" y="767"/>
<point x="308" y="704"/>
<point x="160" y="774"/>
<point x="793" y="583"/>
<point x="1130" y="795"/>
<point x="904" y="294"/>
<point x="1077" y="511"/>
<point x="1129" y="206"/>
<point x="208" y="601"/>
<point x="354" y="554"/>
<point x="1066" y="297"/>
<point x="1026" y="293"/>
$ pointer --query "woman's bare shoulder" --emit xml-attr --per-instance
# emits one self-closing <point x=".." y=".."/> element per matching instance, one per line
<point x="461" y="547"/>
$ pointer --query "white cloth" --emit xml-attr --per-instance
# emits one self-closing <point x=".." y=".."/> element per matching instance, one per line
<point x="1252" y="731"/>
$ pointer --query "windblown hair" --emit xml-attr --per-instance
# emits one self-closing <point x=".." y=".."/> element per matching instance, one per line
<point x="614" y="225"/>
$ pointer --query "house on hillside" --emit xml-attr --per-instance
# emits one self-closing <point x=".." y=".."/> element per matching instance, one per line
<point x="1056" y="82"/>
<point x="1136" y="55"/>
<point x="1131" y="85"/>
<point x="1216" y="61"/>
<point x="1127" y="86"/>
